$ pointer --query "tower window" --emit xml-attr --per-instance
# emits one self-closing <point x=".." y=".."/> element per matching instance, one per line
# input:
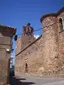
<point x="60" y="25"/>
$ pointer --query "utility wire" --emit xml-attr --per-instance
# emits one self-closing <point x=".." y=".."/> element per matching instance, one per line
<point x="40" y="28"/>
<point x="43" y="27"/>
<point x="34" y="31"/>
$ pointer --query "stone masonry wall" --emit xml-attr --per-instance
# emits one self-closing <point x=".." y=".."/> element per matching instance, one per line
<point x="32" y="54"/>
<point x="5" y="43"/>
<point x="41" y="56"/>
<point x="61" y="48"/>
<point x="22" y="42"/>
<point x="18" y="45"/>
<point x="50" y="33"/>
<point x="45" y="56"/>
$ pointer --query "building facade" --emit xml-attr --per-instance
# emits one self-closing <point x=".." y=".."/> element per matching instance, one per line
<point x="6" y="34"/>
<point x="45" y="55"/>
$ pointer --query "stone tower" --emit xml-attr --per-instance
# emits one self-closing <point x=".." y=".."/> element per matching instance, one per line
<point x="28" y="30"/>
<point x="53" y="31"/>
<point x="26" y="38"/>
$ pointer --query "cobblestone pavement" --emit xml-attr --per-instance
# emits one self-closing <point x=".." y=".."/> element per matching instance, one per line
<point x="33" y="80"/>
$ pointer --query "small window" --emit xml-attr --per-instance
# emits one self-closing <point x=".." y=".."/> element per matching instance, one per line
<point x="60" y="25"/>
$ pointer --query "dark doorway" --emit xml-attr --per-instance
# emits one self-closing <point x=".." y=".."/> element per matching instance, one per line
<point x="26" y="67"/>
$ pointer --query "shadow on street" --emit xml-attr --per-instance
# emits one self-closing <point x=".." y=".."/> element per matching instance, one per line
<point x="16" y="81"/>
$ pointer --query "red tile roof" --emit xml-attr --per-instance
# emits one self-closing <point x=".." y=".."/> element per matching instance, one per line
<point x="8" y="29"/>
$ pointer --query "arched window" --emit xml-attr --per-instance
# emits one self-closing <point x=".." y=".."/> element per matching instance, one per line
<point x="60" y="25"/>
<point x="26" y="67"/>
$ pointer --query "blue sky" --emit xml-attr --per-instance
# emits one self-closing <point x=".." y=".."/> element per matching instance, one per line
<point x="16" y="13"/>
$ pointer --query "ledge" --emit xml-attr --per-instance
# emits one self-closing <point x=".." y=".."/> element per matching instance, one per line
<point x="7" y="29"/>
<point x="61" y="31"/>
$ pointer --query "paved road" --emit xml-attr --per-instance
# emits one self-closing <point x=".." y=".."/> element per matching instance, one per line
<point x="32" y="80"/>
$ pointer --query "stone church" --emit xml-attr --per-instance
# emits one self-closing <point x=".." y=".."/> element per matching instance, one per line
<point x="44" y="55"/>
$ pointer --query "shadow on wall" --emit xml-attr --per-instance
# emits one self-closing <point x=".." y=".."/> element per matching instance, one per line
<point x="15" y="81"/>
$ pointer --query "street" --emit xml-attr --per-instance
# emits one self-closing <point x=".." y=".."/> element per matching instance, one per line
<point x="33" y="80"/>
